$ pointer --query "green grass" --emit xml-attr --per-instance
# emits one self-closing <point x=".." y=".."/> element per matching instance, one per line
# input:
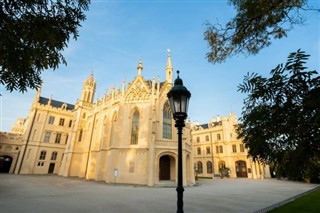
<point x="309" y="203"/>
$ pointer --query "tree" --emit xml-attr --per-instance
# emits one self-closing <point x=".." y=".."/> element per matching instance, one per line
<point x="280" y="121"/>
<point x="32" y="36"/>
<point x="254" y="26"/>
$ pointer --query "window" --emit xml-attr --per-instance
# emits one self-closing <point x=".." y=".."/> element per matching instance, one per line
<point x="80" y="135"/>
<point x="209" y="167"/>
<point x="198" y="139"/>
<point x="167" y="122"/>
<point x="67" y="136"/>
<point x="135" y="128"/>
<point x="199" y="164"/>
<point x="199" y="150"/>
<point x="207" y="137"/>
<point x="241" y="148"/>
<point x="61" y="122"/>
<point x="218" y="137"/>
<point x="47" y="136"/>
<point x="43" y="155"/>
<point x="51" y="120"/>
<point x="58" y="138"/>
<point x="70" y="123"/>
<point x="219" y="149"/>
<point x="208" y="150"/>
<point x="54" y="155"/>
<point x="234" y="148"/>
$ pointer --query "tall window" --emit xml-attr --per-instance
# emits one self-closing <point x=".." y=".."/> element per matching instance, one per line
<point x="67" y="136"/>
<point x="167" y="122"/>
<point x="70" y="123"/>
<point x="198" y="151"/>
<point x="58" y="138"/>
<point x="209" y="167"/>
<point x="219" y="149"/>
<point x="80" y="135"/>
<point x="241" y="148"/>
<point x="43" y="155"/>
<point x="198" y="139"/>
<point x="218" y="137"/>
<point x="47" y="136"/>
<point x="135" y="128"/>
<point x="54" y="155"/>
<point x="200" y="170"/>
<point x="234" y="148"/>
<point x="208" y="150"/>
<point x="61" y="122"/>
<point x="51" y="120"/>
<point x="207" y="137"/>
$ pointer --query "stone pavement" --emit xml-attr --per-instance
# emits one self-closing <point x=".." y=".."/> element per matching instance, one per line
<point x="50" y="193"/>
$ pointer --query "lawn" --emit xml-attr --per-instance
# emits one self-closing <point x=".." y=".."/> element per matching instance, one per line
<point x="309" y="203"/>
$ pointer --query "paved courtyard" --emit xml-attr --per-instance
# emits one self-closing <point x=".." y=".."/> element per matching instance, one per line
<point x="35" y="193"/>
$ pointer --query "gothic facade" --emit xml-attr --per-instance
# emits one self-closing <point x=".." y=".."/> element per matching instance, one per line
<point x="127" y="136"/>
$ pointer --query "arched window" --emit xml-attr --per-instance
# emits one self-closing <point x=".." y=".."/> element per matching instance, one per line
<point x="135" y="128"/>
<point x="209" y="167"/>
<point x="200" y="170"/>
<point x="54" y="155"/>
<point x="167" y="122"/>
<point x="43" y="155"/>
<point x="114" y="119"/>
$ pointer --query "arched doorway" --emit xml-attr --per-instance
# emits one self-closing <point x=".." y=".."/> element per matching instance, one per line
<point x="5" y="164"/>
<point x="166" y="168"/>
<point x="241" y="169"/>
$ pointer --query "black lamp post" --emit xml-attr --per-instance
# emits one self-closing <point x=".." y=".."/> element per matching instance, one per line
<point x="179" y="100"/>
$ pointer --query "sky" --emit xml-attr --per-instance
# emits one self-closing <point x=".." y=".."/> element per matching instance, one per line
<point x="117" y="34"/>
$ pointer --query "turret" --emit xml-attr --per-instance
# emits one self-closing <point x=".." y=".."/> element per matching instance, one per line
<point x="88" y="89"/>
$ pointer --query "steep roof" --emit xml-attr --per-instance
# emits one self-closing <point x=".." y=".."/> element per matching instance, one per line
<point x="54" y="103"/>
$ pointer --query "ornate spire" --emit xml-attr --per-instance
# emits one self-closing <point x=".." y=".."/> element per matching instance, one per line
<point x="169" y="68"/>
<point x="140" y="67"/>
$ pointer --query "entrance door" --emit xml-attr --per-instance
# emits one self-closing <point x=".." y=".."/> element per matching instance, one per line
<point x="5" y="164"/>
<point x="51" y="168"/>
<point x="241" y="168"/>
<point x="164" y="169"/>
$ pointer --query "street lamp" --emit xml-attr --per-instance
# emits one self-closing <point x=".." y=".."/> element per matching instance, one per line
<point x="179" y="100"/>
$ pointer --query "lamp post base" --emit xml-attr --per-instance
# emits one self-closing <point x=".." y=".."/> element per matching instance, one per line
<point x="180" y="190"/>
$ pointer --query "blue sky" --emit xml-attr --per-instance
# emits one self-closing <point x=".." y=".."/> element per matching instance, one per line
<point x="117" y="34"/>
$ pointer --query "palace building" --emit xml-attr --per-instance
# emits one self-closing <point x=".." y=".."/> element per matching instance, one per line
<point x="127" y="136"/>
<point x="218" y="152"/>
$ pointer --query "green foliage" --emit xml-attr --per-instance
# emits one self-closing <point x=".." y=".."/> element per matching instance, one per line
<point x="254" y="26"/>
<point x="32" y="36"/>
<point x="281" y="118"/>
